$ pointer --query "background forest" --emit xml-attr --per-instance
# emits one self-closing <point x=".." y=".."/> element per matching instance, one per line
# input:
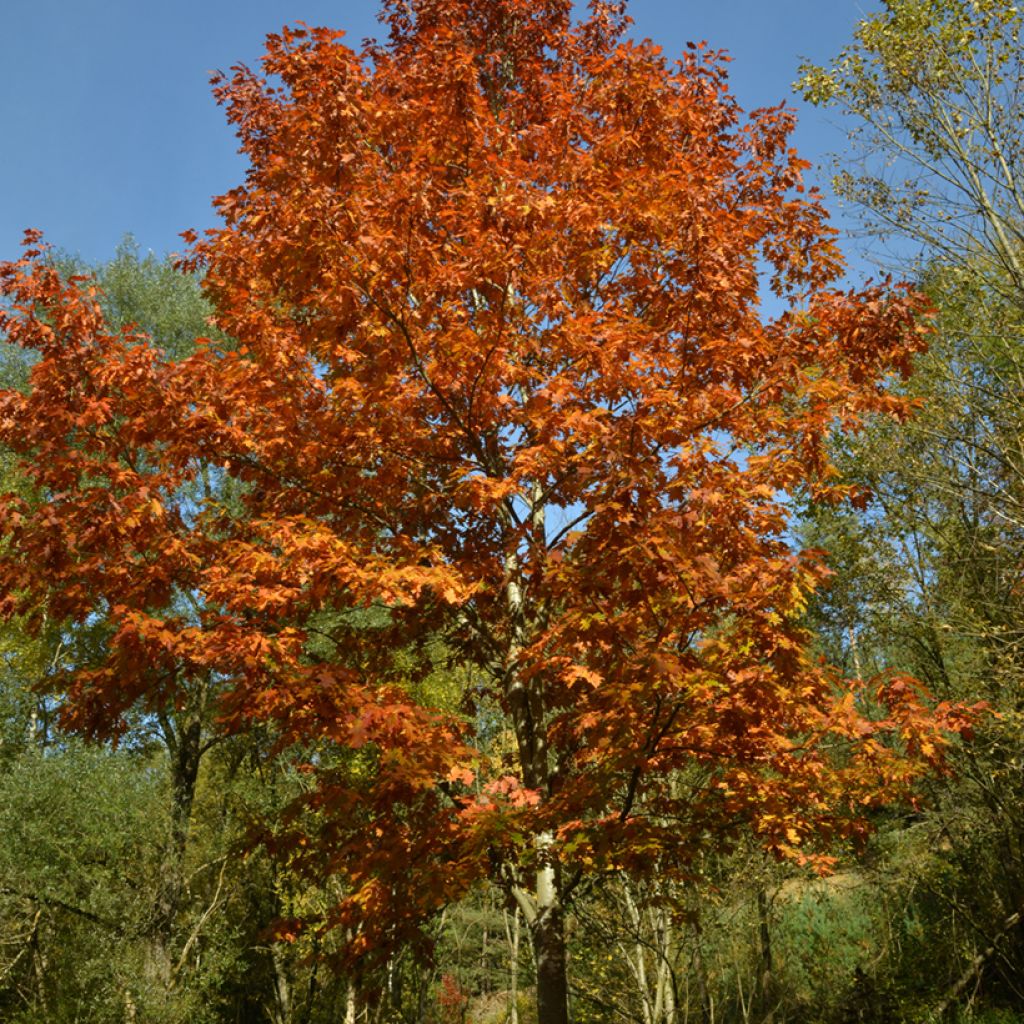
<point x="133" y="886"/>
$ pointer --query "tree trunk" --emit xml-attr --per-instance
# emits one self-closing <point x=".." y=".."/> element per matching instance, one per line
<point x="527" y="705"/>
<point x="512" y="935"/>
<point x="665" y="993"/>
<point x="185" y="750"/>
<point x="707" y="1006"/>
<point x="281" y="1011"/>
<point x="552" y="983"/>
<point x="183" y="738"/>
<point x="765" y="981"/>
<point x="549" y="939"/>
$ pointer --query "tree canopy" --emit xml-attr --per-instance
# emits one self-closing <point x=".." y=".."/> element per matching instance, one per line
<point x="502" y="402"/>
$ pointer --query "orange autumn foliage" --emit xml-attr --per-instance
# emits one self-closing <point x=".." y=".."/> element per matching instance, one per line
<point x="504" y="369"/>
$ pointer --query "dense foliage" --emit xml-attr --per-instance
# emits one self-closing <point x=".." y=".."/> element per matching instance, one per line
<point x="429" y="556"/>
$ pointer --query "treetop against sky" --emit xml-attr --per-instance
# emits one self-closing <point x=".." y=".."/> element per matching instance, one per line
<point x="110" y="126"/>
<point x="499" y="267"/>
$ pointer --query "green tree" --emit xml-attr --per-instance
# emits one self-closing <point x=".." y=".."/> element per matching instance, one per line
<point x="929" y="575"/>
<point x="154" y="933"/>
<point x="933" y="88"/>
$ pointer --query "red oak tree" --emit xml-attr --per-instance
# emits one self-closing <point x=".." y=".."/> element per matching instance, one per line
<point x="504" y="374"/>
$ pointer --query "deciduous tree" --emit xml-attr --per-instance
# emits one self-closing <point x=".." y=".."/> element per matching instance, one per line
<point x="933" y="91"/>
<point x="931" y="570"/>
<point x="504" y="378"/>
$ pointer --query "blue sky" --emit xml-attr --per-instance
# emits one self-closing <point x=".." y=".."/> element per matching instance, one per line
<point x="108" y="125"/>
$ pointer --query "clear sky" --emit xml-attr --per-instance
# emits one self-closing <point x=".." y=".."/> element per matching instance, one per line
<point x="107" y="124"/>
